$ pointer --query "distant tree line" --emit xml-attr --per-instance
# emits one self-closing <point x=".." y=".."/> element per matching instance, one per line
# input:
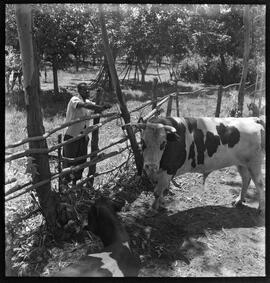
<point x="202" y="43"/>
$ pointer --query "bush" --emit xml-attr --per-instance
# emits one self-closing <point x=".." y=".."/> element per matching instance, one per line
<point x="212" y="73"/>
<point x="209" y="70"/>
<point x="50" y="103"/>
<point x="192" y="68"/>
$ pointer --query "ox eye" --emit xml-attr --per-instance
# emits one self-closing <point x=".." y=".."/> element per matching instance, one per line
<point x="143" y="145"/>
<point x="162" y="146"/>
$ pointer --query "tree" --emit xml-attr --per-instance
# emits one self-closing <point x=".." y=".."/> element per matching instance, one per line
<point x="241" y="93"/>
<point x="34" y="117"/>
<point x="216" y="31"/>
<point x="140" y="41"/>
<point x="51" y="38"/>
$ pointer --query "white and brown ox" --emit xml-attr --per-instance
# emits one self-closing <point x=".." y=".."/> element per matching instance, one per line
<point x="173" y="146"/>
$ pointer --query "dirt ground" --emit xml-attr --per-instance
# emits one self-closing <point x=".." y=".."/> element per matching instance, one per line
<point x="201" y="234"/>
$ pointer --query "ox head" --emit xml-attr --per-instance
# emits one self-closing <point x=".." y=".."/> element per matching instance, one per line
<point x="154" y="140"/>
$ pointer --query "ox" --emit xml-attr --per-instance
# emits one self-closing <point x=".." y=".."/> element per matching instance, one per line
<point x="173" y="146"/>
<point x="116" y="259"/>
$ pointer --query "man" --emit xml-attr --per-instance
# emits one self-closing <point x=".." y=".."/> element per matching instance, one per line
<point x="78" y="106"/>
<point x="17" y="71"/>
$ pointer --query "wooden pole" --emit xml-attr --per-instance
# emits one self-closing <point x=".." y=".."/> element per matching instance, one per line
<point x="47" y="134"/>
<point x="95" y="139"/>
<point x="177" y="106"/>
<point x="261" y="88"/>
<point x="46" y="196"/>
<point x="169" y="107"/>
<point x="154" y="93"/>
<point x="176" y="100"/>
<point x="120" y="97"/>
<point x="241" y="92"/>
<point x="256" y="86"/>
<point x="59" y="152"/>
<point x="220" y="90"/>
<point x="67" y="171"/>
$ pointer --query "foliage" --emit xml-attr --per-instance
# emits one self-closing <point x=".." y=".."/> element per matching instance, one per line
<point x="68" y="34"/>
<point x="192" y="68"/>
<point x="11" y="34"/>
<point x="12" y="59"/>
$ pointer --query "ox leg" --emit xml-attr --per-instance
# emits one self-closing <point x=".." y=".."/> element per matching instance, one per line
<point x="244" y="173"/>
<point x="256" y="176"/>
<point x="162" y="184"/>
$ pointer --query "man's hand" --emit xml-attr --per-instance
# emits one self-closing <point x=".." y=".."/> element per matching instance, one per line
<point x="106" y="106"/>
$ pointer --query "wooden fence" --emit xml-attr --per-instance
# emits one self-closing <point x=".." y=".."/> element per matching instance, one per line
<point x="96" y="155"/>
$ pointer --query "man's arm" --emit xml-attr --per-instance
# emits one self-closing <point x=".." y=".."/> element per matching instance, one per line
<point x="92" y="106"/>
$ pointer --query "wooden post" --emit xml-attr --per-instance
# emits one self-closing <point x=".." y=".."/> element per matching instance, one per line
<point x="154" y="93"/>
<point x="46" y="196"/>
<point x="241" y="92"/>
<point x="120" y="97"/>
<point x="95" y="138"/>
<point x="260" y="88"/>
<point x="219" y="101"/>
<point x="169" y="107"/>
<point x="177" y="105"/>
<point x="59" y="152"/>
<point x="256" y="84"/>
<point x="176" y="100"/>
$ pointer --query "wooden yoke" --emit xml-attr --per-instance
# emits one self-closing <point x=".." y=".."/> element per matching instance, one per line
<point x="95" y="137"/>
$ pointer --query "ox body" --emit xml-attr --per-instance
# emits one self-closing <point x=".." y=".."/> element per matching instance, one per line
<point x="173" y="146"/>
<point x="116" y="259"/>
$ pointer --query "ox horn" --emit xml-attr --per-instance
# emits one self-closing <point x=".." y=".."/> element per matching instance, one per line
<point x="139" y="125"/>
<point x="167" y="128"/>
<point x="170" y="129"/>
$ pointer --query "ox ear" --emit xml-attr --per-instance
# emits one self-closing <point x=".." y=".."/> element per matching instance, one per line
<point x="172" y="137"/>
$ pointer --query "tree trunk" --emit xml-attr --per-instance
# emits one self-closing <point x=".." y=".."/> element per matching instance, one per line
<point x="154" y="93"/>
<point x="143" y="76"/>
<point x="55" y="78"/>
<point x="220" y="90"/>
<point x="143" y="72"/>
<point x="122" y="102"/>
<point x="241" y="93"/>
<point x="224" y="70"/>
<point x="46" y="196"/>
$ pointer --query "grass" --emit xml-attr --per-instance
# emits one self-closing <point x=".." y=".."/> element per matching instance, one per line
<point x="54" y="115"/>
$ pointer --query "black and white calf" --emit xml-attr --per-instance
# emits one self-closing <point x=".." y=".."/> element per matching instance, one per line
<point x="173" y="146"/>
<point x="116" y="259"/>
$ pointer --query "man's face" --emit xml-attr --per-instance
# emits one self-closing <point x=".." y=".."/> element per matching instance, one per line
<point x="83" y="91"/>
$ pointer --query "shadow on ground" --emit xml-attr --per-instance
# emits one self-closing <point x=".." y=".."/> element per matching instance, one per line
<point x="173" y="235"/>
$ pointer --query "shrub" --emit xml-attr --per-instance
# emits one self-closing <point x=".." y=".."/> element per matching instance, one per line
<point x="52" y="104"/>
<point x="212" y="73"/>
<point x="209" y="70"/>
<point x="192" y="68"/>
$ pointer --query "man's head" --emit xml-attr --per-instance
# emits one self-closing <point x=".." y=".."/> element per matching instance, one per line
<point x="83" y="90"/>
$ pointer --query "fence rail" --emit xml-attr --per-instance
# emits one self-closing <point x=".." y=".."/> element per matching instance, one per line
<point x="97" y="155"/>
<point x="19" y="190"/>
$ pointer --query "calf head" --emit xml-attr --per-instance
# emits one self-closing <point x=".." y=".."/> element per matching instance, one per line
<point x="102" y="219"/>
